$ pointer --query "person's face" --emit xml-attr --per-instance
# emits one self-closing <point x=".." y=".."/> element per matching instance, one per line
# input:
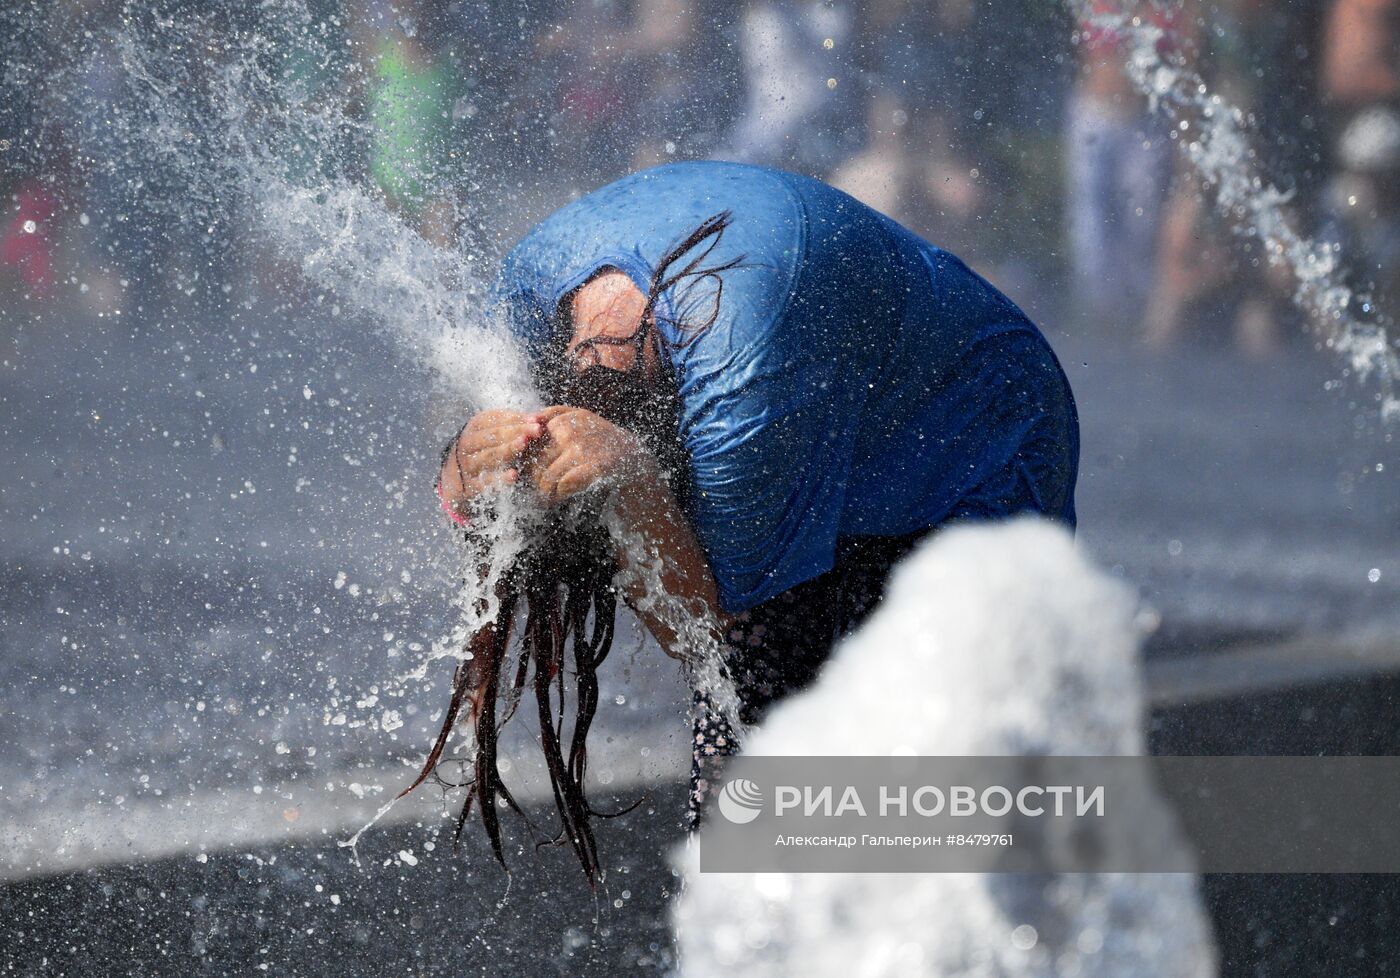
<point x="609" y="305"/>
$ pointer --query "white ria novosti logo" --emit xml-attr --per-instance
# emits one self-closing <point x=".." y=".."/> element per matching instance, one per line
<point x="740" y="801"/>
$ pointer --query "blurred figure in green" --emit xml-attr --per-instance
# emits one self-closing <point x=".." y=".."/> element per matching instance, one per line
<point x="408" y="111"/>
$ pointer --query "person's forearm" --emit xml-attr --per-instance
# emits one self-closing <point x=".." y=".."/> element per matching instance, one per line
<point x="649" y="510"/>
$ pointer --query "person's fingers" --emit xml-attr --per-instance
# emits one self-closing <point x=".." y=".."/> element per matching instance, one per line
<point x="559" y="464"/>
<point x="459" y="502"/>
<point x="567" y="427"/>
<point x="549" y="479"/>
<point x="493" y="480"/>
<point x="566" y="418"/>
<point x="454" y="461"/>
<point x="474" y="457"/>
<point x="449" y="475"/>
<point x="473" y="441"/>
<point x="461" y="473"/>
<point x="480" y="425"/>
<point x="545" y="415"/>
<point x="540" y="445"/>
<point x="448" y="481"/>
<point x="463" y="492"/>
<point x="573" y="480"/>
<point x="488" y="453"/>
<point x="474" y="461"/>
<point x="495" y="424"/>
<point x="549" y="451"/>
<point x="494" y="418"/>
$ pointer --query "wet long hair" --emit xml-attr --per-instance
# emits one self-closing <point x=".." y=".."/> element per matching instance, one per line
<point x="563" y="579"/>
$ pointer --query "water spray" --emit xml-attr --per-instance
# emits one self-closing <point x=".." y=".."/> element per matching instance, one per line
<point x="1214" y="136"/>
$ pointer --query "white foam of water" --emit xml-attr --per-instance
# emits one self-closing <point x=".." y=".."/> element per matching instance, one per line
<point x="1215" y="137"/>
<point x="993" y="640"/>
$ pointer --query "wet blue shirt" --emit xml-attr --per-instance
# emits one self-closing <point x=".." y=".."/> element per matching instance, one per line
<point x="856" y="381"/>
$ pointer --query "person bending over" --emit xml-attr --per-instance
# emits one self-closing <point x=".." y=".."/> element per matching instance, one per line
<point x="779" y="391"/>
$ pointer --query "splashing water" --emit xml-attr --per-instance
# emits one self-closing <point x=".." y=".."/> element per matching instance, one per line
<point x="251" y="144"/>
<point x="1215" y="138"/>
<point x="696" y="627"/>
<point x="247" y="144"/>
<point x="1035" y="651"/>
<point x="213" y="105"/>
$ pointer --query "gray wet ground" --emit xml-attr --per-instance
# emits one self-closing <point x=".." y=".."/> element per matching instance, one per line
<point x="221" y="548"/>
<point x="305" y="909"/>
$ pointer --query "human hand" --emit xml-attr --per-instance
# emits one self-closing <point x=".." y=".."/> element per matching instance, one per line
<point x="486" y="453"/>
<point x="582" y="449"/>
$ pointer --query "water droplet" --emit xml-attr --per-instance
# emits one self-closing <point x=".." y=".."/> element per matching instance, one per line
<point x="1090" y="941"/>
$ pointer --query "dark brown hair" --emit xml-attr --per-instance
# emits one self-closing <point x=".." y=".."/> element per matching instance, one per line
<point x="563" y="581"/>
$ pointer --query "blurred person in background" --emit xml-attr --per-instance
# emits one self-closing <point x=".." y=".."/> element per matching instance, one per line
<point x="28" y="230"/>
<point x="639" y="83"/>
<point x="682" y="103"/>
<point x="502" y="95"/>
<point x="1207" y="276"/>
<point x="28" y="203"/>
<point x="1362" y="204"/>
<point x="47" y="179"/>
<point x="314" y="78"/>
<point x="1119" y="165"/>
<point x="595" y="89"/>
<point x="138" y="250"/>
<point x="1361" y="85"/>
<point x="408" y="108"/>
<point x="963" y="129"/>
<point x="803" y="94"/>
<point x="1360" y="65"/>
<point x="913" y="166"/>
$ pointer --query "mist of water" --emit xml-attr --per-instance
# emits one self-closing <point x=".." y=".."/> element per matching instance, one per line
<point x="245" y="146"/>
<point x="1215" y="138"/>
